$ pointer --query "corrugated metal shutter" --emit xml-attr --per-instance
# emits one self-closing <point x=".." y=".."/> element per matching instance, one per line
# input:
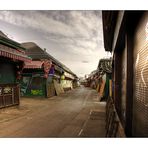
<point x="7" y="73"/>
<point x="140" y="79"/>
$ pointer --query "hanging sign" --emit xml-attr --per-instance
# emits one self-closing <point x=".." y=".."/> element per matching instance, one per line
<point x="7" y="90"/>
<point x="47" y="66"/>
<point x="0" y="91"/>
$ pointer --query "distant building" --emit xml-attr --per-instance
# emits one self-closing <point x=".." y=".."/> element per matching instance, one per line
<point x="100" y="79"/>
<point x="104" y="86"/>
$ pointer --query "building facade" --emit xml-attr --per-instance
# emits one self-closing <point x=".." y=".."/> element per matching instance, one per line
<point x="12" y="58"/>
<point x="44" y="75"/>
<point x="126" y="36"/>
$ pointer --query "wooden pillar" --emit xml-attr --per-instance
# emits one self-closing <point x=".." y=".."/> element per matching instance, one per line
<point x="129" y="84"/>
<point x="117" y="82"/>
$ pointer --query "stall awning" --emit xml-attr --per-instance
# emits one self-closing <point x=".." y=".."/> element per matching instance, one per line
<point x="16" y="54"/>
<point x="33" y="64"/>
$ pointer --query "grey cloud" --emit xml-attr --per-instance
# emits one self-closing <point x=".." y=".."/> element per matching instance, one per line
<point x="74" y="37"/>
<point x="80" y="23"/>
<point x="85" y="61"/>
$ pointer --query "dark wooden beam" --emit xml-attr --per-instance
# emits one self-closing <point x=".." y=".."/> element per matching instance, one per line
<point x="109" y="22"/>
<point x="117" y="82"/>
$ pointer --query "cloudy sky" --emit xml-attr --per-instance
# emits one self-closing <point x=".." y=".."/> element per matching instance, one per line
<point x="75" y="38"/>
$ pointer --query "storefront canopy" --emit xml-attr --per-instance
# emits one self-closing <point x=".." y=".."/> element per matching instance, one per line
<point x="16" y="54"/>
<point x="33" y="64"/>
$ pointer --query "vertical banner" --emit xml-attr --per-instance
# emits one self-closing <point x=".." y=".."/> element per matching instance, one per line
<point x="110" y="88"/>
<point x="47" y="66"/>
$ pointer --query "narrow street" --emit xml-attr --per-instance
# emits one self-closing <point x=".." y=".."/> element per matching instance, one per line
<point x="60" y="116"/>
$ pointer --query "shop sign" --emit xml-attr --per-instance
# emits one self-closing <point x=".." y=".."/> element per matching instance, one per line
<point x="36" y="92"/>
<point x="62" y="77"/>
<point x="0" y="91"/>
<point x="7" y="90"/>
<point x="47" y="66"/>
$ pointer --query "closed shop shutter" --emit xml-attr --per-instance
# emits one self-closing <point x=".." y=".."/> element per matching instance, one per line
<point x="140" y="79"/>
<point x="7" y="73"/>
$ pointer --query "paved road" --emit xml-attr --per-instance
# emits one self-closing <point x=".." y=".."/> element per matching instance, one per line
<point x="59" y="116"/>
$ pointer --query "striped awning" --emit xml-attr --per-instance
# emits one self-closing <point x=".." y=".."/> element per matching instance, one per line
<point x="16" y="54"/>
<point x="33" y="64"/>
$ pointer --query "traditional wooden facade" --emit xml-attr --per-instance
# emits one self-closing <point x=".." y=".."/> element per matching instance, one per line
<point x="35" y="79"/>
<point x="37" y="72"/>
<point x="68" y="79"/>
<point x="12" y="58"/>
<point x="126" y="35"/>
<point x="100" y="79"/>
<point x="104" y="78"/>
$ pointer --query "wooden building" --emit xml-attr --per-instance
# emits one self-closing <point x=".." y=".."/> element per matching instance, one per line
<point x="104" y="78"/>
<point x="34" y="73"/>
<point x="12" y="58"/>
<point x="126" y="36"/>
<point x="69" y="79"/>
<point x="91" y="80"/>
<point x="100" y="79"/>
<point x="34" y="80"/>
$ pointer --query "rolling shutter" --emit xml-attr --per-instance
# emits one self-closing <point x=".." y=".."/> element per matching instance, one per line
<point x="140" y="79"/>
